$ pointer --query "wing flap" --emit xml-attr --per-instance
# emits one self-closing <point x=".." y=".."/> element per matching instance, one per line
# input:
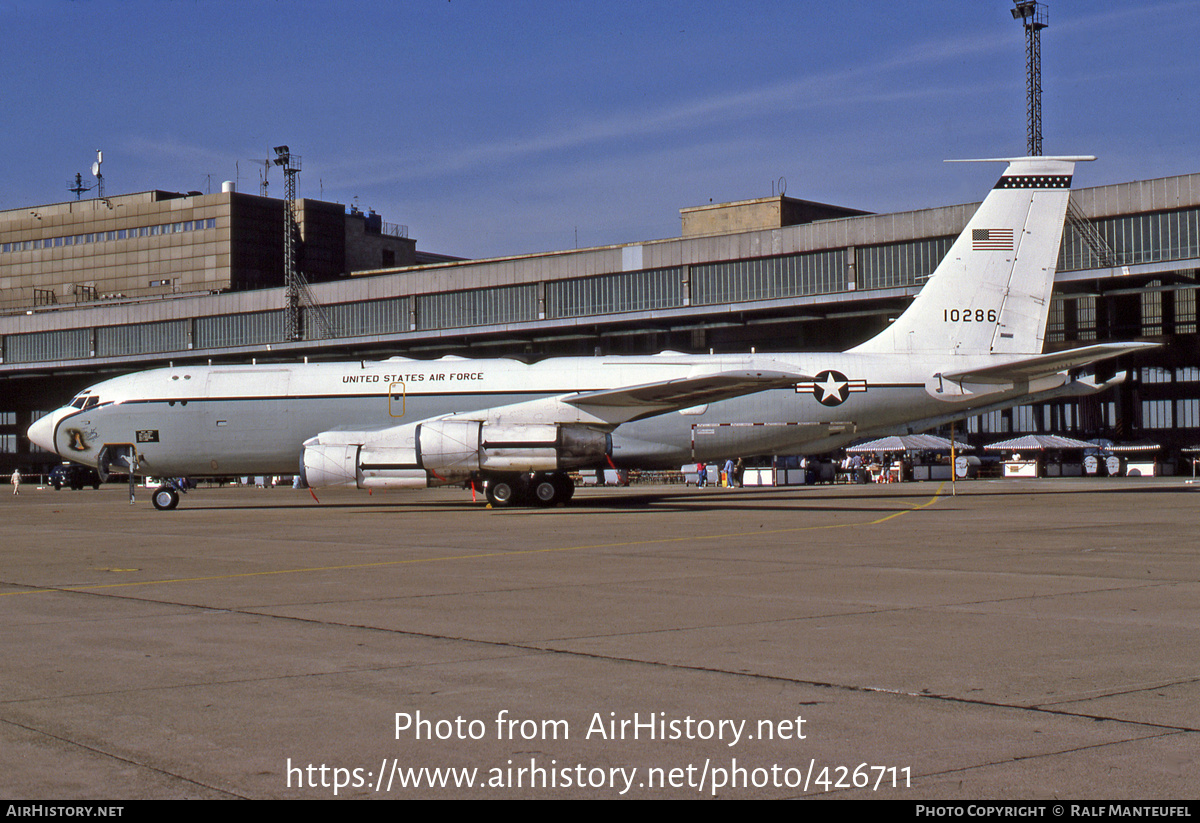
<point x="650" y="399"/>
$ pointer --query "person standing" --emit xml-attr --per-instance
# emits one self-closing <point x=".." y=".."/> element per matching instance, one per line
<point x="16" y="481"/>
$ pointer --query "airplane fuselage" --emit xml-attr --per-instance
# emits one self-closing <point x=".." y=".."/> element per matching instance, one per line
<point x="227" y="420"/>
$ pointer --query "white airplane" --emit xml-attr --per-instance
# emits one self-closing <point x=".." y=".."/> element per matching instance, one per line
<point x="970" y="342"/>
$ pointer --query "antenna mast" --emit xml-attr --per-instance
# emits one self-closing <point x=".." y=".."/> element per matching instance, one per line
<point x="96" y="173"/>
<point x="78" y="187"/>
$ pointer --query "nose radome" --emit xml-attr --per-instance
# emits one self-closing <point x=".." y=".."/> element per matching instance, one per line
<point x="42" y="432"/>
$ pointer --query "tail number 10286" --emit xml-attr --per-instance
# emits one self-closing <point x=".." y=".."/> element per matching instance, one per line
<point x="970" y="315"/>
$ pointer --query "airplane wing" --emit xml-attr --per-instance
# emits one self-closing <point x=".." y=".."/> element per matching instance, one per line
<point x="1044" y="365"/>
<point x="628" y="403"/>
<point x="514" y="439"/>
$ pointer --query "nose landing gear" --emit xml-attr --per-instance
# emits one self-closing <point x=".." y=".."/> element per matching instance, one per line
<point x="166" y="496"/>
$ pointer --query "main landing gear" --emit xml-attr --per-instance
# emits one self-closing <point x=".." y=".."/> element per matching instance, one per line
<point x="539" y="489"/>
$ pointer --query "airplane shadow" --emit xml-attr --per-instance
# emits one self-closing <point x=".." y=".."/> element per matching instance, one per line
<point x="599" y="503"/>
<point x="799" y="499"/>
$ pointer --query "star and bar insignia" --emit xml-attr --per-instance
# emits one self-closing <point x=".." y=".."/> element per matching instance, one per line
<point x="831" y="388"/>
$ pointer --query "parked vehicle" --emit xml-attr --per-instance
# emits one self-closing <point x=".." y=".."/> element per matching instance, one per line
<point x="75" y="476"/>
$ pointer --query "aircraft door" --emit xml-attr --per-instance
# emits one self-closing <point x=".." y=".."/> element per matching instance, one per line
<point x="243" y="402"/>
<point x="116" y="458"/>
<point x="396" y="399"/>
<point x="247" y="418"/>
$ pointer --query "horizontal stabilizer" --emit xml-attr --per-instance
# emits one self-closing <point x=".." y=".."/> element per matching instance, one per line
<point x="1043" y="365"/>
<point x="1075" y="158"/>
<point x="668" y="395"/>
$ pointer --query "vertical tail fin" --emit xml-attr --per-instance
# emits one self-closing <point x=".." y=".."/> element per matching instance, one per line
<point x="991" y="293"/>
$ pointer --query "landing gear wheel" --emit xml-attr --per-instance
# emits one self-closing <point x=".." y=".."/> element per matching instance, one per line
<point x="165" y="498"/>
<point x="546" y="491"/>
<point x="566" y="487"/>
<point x="500" y="493"/>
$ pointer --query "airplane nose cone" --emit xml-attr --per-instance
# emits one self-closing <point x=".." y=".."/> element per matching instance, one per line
<point x="42" y="432"/>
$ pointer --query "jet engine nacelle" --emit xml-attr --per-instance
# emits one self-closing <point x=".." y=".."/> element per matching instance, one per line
<point x="334" y="465"/>
<point x="366" y="467"/>
<point x="541" y="447"/>
<point x="445" y="451"/>
<point x="454" y="448"/>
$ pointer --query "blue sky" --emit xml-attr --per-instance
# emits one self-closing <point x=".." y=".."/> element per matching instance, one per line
<point x="494" y="128"/>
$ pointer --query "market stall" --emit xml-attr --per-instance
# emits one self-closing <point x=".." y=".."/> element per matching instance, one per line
<point x="1042" y="455"/>
<point x="903" y="457"/>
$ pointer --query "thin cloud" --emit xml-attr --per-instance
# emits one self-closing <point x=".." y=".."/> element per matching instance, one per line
<point x="815" y="91"/>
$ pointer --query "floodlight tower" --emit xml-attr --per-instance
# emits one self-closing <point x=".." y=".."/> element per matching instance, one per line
<point x="1034" y="18"/>
<point x="291" y="167"/>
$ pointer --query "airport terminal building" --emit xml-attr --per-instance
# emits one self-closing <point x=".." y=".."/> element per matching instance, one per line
<point x="94" y="288"/>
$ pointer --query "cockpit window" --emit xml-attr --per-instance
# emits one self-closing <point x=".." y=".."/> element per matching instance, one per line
<point x="78" y="402"/>
<point x="91" y="401"/>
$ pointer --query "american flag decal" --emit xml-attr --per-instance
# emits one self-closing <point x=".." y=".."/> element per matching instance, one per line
<point x="991" y="239"/>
